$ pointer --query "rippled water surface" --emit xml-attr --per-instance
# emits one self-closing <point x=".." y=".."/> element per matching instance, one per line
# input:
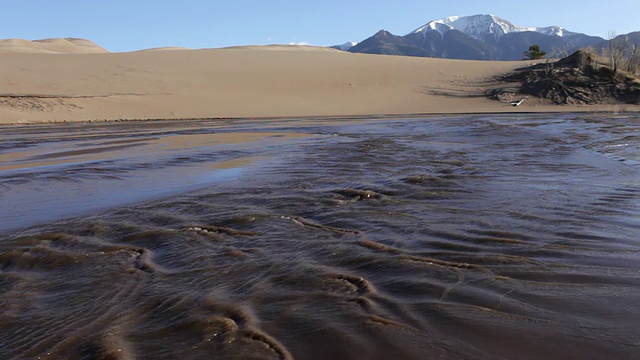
<point x="497" y="237"/>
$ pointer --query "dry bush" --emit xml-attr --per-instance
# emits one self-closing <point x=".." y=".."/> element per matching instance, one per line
<point x="616" y="50"/>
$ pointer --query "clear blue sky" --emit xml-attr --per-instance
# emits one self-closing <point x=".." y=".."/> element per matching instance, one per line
<point x="124" y="25"/>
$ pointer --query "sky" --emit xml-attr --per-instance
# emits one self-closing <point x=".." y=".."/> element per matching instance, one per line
<point x="127" y="25"/>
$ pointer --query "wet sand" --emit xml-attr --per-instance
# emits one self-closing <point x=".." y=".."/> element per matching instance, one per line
<point x="462" y="237"/>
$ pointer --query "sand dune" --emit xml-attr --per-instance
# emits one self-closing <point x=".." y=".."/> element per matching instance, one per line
<point x="283" y="47"/>
<point x="165" y="48"/>
<point x="50" y="46"/>
<point x="269" y="81"/>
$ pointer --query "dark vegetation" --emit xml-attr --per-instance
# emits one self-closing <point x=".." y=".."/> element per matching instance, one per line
<point x="581" y="78"/>
<point x="534" y="53"/>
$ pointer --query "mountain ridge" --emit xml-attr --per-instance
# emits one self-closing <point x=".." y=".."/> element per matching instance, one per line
<point x="478" y="26"/>
<point x="476" y="37"/>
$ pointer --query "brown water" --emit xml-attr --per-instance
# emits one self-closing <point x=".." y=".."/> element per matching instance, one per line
<point x="453" y="238"/>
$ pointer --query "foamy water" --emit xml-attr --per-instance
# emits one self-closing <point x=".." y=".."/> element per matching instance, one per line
<point x="455" y="238"/>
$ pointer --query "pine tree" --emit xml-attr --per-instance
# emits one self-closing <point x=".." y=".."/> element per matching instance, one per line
<point x="534" y="53"/>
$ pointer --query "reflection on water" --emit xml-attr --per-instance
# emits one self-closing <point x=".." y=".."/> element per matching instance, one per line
<point x="45" y="179"/>
<point x="462" y="237"/>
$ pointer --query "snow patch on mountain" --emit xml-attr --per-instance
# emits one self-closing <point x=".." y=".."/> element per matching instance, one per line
<point x="482" y="27"/>
<point x="554" y="31"/>
<point x="346" y="46"/>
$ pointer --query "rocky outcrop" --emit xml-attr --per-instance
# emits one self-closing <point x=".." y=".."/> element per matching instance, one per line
<point x="577" y="79"/>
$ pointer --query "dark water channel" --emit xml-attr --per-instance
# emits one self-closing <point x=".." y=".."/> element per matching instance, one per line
<point x="477" y="237"/>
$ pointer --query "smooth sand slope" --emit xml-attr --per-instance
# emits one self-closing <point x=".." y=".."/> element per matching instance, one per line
<point x="41" y="83"/>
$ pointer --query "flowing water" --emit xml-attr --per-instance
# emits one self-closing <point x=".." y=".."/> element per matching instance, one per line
<point x="497" y="237"/>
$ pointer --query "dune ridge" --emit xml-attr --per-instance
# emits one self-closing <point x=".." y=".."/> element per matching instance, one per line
<point x="51" y="46"/>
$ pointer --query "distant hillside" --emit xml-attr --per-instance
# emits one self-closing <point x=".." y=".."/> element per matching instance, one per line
<point x="383" y="42"/>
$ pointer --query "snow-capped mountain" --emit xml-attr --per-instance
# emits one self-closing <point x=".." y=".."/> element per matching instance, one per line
<point x="346" y="46"/>
<point x="476" y="37"/>
<point x="486" y="27"/>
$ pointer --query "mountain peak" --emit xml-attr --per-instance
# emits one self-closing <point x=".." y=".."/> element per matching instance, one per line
<point x="485" y="27"/>
<point x="382" y="33"/>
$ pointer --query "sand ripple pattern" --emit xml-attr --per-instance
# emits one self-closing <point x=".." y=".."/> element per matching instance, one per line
<point x="449" y="238"/>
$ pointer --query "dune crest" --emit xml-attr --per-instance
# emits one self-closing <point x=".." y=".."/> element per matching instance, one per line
<point x="165" y="48"/>
<point x="284" y="47"/>
<point x="51" y="46"/>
